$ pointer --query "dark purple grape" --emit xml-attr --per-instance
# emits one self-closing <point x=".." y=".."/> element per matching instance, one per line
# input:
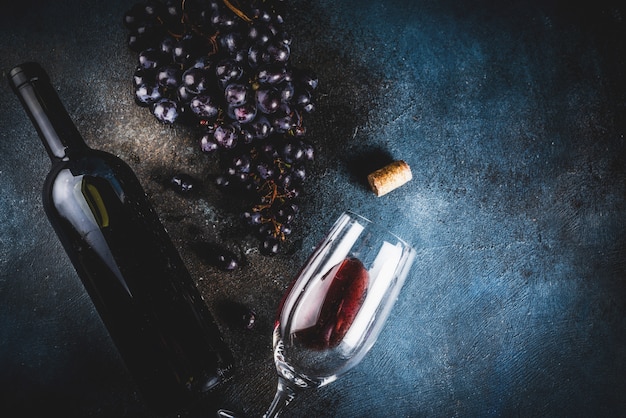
<point x="167" y="44"/>
<point x="268" y="100"/>
<point x="299" y="173"/>
<point x="309" y="107"/>
<point x="292" y="192"/>
<point x="259" y="34"/>
<point x="283" y="37"/>
<point x="257" y="57"/>
<point x="147" y="94"/>
<point x="270" y="245"/>
<point x="134" y="16"/>
<point x="284" y="180"/>
<point x="223" y="20"/>
<point x="143" y="36"/>
<point x="166" y="111"/>
<point x="309" y="151"/>
<point x="226" y="136"/>
<point x="237" y="316"/>
<point x="183" y="183"/>
<point x="195" y="80"/>
<point x="302" y="99"/>
<point x="152" y="8"/>
<point x="241" y="163"/>
<point x="240" y="57"/>
<point x="284" y="119"/>
<point x="289" y="75"/>
<point x="181" y="52"/>
<point x="217" y="256"/>
<point x="259" y="128"/>
<point x="262" y="16"/>
<point x="223" y="182"/>
<point x="285" y="229"/>
<point x="226" y="262"/>
<point x="204" y="106"/>
<point x="307" y="78"/>
<point x="293" y="151"/>
<point x="243" y="114"/>
<point x="208" y="143"/>
<point x="184" y="51"/>
<point x="248" y="319"/>
<point x="150" y="59"/>
<point x="287" y="212"/>
<point x="231" y="42"/>
<point x="173" y="11"/>
<point x="265" y="170"/>
<point x="246" y="135"/>
<point x="148" y="30"/>
<point x="271" y="74"/>
<point x="252" y="218"/>
<point x="183" y="94"/>
<point x="168" y="77"/>
<point x="242" y="179"/>
<point x="287" y="91"/>
<point x="268" y="151"/>
<point x="278" y="52"/>
<point x="236" y="94"/>
<point x="203" y="62"/>
<point x="228" y="71"/>
<point x="298" y="131"/>
<point x="244" y="319"/>
<point x="136" y="42"/>
<point x="143" y="76"/>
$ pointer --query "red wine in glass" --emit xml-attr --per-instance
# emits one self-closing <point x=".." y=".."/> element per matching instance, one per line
<point x="341" y="301"/>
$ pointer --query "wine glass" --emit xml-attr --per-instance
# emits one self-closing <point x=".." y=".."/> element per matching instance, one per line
<point x="336" y="307"/>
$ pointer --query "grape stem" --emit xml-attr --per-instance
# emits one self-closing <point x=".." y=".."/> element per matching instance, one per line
<point x="184" y="21"/>
<point x="270" y="197"/>
<point x="236" y="11"/>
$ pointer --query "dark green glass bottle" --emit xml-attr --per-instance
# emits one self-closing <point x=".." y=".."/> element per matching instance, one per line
<point x="125" y="258"/>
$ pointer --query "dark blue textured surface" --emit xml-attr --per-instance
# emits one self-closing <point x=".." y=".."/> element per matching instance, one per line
<point x="511" y="115"/>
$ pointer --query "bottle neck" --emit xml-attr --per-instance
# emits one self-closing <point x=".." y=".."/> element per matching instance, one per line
<point x="42" y="104"/>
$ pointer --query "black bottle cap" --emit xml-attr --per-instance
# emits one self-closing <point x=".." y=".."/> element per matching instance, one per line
<point x="26" y="73"/>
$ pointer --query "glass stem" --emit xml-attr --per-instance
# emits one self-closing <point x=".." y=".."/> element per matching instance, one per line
<point x="284" y="394"/>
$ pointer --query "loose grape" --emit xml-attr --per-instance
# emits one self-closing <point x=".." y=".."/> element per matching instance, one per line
<point x="237" y="316"/>
<point x="183" y="183"/>
<point x="216" y="255"/>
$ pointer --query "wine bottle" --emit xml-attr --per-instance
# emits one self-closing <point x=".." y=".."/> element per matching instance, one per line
<point x="125" y="259"/>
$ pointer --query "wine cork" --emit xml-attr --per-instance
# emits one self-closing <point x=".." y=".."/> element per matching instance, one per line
<point x="390" y="177"/>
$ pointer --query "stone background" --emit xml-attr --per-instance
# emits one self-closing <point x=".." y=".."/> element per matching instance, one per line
<point x="511" y="115"/>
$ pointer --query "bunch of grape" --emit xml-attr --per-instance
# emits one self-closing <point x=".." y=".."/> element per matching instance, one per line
<point x="223" y="66"/>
